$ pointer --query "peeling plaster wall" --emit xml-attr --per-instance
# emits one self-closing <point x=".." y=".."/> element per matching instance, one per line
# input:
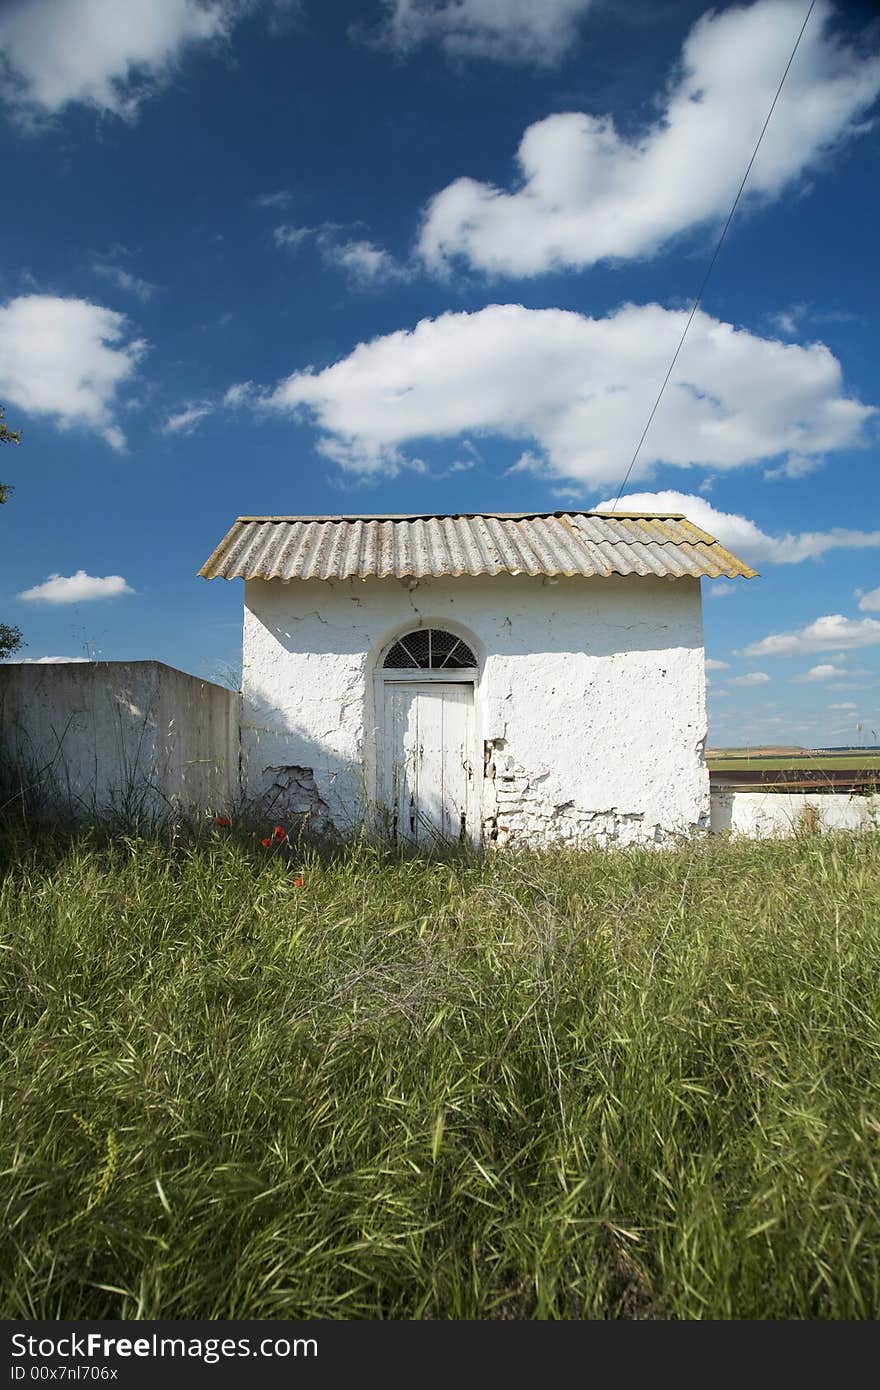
<point x="590" y="708"/>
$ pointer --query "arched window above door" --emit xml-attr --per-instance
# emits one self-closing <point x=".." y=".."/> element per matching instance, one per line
<point x="430" y="649"/>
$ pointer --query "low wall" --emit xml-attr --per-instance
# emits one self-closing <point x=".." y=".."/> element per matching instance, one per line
<point x="137" y="737"/>
<point x="759" y="814"/>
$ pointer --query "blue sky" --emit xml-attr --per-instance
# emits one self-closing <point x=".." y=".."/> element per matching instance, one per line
<point x="417" y="255"/>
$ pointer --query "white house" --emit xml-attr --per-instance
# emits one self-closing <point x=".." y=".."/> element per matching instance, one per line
<point x="505" y="678"/>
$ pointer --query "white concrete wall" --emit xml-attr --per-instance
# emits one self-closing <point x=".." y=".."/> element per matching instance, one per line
<point x="761" y="814"/>
<point x="134" y="736"/>
<point x="590" y="705"/>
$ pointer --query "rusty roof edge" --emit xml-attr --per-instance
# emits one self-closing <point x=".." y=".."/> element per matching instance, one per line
<point x="736" y="568"/>
<point x="559" y="573"/>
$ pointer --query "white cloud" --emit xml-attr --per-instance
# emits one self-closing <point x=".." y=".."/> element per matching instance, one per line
<point x="187" y="418"/>
<point x="833" y="632"/>
<point x="77" y="588"/>
<point x="579" y="388"/>
<point x="519" y="31"/>
<point x="796" y="466"/>
<point x="279" y="199"/>
<point x="751" y="678"/>
<point x="238" y="394"/>
<point x="844" y="704"/>
<point x="190" y="414"/>
<point x="716" y="665"/>
<point x="824" y="672"/>
<point x="743" y="536"/>
<point x="586" y="193"/>
<point x="66" y="358"/>
<point x="184" y="421"/>
<point x="44" y="660"/>
<point x="870" y="602"/>
<point x="103" y="53"/>
<point x="788" y="321"/>
<point x="289" y="237"/>
<point x="366" y="263"/>
<point x="115" y="438"/>
<point x="124" y="280"/>
<point x="721" y="590"/>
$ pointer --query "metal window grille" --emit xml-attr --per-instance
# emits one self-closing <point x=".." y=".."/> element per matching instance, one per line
<point x="430" y="649"/>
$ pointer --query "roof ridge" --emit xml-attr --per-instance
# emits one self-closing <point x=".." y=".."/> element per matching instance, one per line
<point x="465" y="516"/>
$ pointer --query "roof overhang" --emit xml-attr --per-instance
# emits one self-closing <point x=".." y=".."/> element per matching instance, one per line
<point x="549" y="544"/>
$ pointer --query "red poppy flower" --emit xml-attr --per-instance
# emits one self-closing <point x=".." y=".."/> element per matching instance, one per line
<point x="267" y="842"/>
<point x="299" y="883"/>
<point x="223" y="821"/>
<point x="279" y="832"/>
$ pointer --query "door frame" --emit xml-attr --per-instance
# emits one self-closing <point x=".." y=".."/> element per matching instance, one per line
<point x="474" y="797"/>
<point x="471" y="676"/>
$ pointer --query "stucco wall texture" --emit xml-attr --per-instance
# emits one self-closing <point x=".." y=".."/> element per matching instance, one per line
<point x="133" y="736"/>
<point x="590" y="705"/>
<point x="759" y="815"/>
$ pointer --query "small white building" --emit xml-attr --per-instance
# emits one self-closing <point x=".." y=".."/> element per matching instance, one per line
<point x="499" y="678"/>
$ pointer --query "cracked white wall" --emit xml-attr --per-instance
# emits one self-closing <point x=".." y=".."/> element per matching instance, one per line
<point x="760" y="814"/>
<point x="590" y="707"/>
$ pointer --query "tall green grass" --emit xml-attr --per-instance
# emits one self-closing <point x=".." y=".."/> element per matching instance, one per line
<point x="638" y="1085"/>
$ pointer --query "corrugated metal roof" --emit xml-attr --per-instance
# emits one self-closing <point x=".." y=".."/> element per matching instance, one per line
<point x="418" y="547"/>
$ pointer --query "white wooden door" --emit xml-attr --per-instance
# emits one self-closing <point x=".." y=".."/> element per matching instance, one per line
<point x="428" y="757"/>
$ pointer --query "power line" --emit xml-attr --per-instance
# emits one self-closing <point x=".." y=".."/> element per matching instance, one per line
<point x="711" y="266"/>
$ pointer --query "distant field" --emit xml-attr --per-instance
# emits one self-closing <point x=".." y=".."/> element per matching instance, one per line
<point x="760" y="750"/>
<point x="848" y="762"/>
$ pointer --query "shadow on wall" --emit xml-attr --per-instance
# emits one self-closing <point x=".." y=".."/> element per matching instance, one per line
<point x="135" y="738"/>
<point x="608" y="607"/>
<point x="302" y="782"/>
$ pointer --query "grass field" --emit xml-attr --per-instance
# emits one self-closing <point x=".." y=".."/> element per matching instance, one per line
<point x="641" y="1085"/>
